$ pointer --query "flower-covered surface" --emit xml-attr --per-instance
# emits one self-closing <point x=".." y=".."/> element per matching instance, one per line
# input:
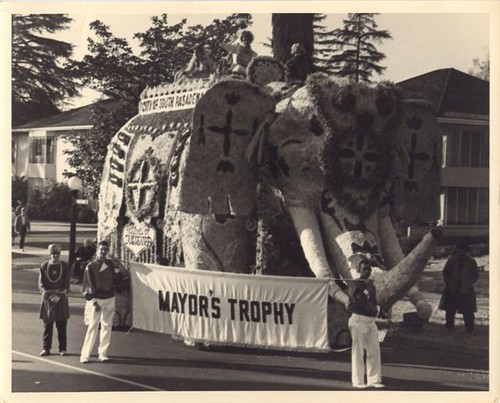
<point x="315" y="173"/>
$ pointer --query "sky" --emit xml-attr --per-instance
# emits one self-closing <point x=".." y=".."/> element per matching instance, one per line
<point x="421" y="42"/>
<point x="424" y="39"/>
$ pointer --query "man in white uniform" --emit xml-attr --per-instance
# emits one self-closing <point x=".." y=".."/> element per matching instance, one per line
<point x="99" y="280"/>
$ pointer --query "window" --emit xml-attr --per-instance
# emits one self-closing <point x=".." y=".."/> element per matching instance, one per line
<point x="467" y="147"/>
<point x="467" y="206"/>
<point x="42" y="150"/>
<point x="35" y="186"/>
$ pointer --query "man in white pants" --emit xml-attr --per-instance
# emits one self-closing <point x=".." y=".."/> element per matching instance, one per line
<point x="99" y="281"/>
<point x="364" y="332"/>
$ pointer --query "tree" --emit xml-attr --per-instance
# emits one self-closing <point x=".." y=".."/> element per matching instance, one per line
<point x="167" y="49"/>
<point x="112" y="68"/>
<point x="40" y="77"/>
<point x="356" y="56"/>
<point x="481" y="68"/>
<point x="324" y="41"/>
<point x="289" y="29"/>
<point x="89" y="153"/>
<point x="19" y="190"/>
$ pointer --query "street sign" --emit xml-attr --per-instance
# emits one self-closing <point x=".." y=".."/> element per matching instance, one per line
<point x="82" y="201"/>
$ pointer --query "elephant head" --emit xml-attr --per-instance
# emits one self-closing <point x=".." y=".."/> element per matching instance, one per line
<point x="335" y="149"/>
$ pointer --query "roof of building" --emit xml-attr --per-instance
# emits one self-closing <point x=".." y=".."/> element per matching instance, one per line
<point x="77" y="117"/>
<point x="450" y="90"/>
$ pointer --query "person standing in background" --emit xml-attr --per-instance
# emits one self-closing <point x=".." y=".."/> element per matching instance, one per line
<point x="13" y="226"/>
<point x="460" y="272"/>
<point x="22" y="225"/>
<point x="83" y="255"/>
<point x="53" y="282"/>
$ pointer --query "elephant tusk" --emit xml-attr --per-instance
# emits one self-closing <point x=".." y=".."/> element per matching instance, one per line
<point x="391" y="250"/>
<point x="306" y="225"/>
<point x="394" y="284"/>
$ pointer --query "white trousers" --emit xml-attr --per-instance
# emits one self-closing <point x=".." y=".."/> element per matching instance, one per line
<point x="105" y="317"/>
<point x="364" y="334"/>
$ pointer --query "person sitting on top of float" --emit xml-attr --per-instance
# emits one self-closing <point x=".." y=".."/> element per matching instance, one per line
<point x="200" y="65"/>
<point x="242" y="54"/>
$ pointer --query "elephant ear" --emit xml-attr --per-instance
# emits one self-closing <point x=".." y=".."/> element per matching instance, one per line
<point x="263" y="70"/>
<point x="420" y="164"/>
<point x="217" y="177"/>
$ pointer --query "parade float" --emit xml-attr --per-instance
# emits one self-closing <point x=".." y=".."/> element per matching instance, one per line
<point x="254" y="176"/>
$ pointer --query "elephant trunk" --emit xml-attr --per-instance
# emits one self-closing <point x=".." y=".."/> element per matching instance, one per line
<point x="307" y="227"/>
<point x="395" y="283"/>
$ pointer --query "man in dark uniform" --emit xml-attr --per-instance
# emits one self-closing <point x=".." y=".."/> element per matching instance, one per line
<point x="53" y="281"/>
<point x="364" y="332"/>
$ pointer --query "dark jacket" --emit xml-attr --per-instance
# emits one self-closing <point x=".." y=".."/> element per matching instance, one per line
<point x="362" y="296"/>
<point x="297" y="69"/>
<point x="19" y="225"/>
<point x="100" y="279"/>
<point x="85" y="253"/>
<point x="459" y="276"/>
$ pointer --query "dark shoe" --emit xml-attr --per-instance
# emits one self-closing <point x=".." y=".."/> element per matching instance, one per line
<point x="44" y="353"/>
<point x="449" y="327"/>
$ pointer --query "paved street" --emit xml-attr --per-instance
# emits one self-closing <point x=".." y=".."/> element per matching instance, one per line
<point x="142" y="361"/>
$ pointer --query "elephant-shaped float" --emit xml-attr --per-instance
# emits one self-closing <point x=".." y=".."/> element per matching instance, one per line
<point x="254" y="176"/>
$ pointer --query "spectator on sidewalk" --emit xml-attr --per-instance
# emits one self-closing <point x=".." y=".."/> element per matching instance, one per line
<point x="19" y="206"/>
<point x="13" y="225"/>
<point x="460" y="272"/>
<point x="83" y="255"/>
<point x="22" y="225"/>
<point x="100" y="278"/>
<point x="53" y="282"/>
<point x="364" y="332"/>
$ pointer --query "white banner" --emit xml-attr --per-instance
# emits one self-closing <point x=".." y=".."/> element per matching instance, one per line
<point x="227" y="308"/>
<point x="171" y="102"/>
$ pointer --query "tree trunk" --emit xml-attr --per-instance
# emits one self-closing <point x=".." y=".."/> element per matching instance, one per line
<point x="289" y="29"/>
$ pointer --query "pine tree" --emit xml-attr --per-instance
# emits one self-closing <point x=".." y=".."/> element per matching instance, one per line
<point x="40" y="77"/>
<point x="356" y="56"/>
<point x="324" y="44"/>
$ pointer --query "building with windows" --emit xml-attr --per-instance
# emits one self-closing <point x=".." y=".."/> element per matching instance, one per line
<point x="38" y="147"/>
<point x="461" y="103"/>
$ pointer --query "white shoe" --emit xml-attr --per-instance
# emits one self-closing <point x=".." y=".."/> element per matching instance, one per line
<point x="103" y="358"/>
<point x="84" y="360"/>
<point x="377" y="385"/>
<point x="359" y="386"/>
